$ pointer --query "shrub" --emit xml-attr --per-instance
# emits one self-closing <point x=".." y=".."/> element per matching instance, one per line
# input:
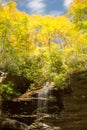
<point x="8" y="91"/>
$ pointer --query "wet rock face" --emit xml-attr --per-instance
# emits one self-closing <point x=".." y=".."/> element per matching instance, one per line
<point x="22" y="111"/>
<point x="74" y="115"/>
<point x="25" y="108"/>
<point x="67" y="109"/>
<point x="28" y="103"/>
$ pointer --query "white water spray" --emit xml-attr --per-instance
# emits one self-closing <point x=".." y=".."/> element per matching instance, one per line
<point x="43" y="97"/>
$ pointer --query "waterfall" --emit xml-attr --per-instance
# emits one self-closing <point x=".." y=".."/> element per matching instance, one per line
<point x="2" y="76"/>
<point x="43" y="97"/>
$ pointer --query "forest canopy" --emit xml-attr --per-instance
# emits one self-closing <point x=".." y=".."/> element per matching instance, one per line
<point x="43" y="48"/>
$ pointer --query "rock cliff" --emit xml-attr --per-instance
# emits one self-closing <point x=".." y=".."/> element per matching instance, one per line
<point x="66" y="109"/>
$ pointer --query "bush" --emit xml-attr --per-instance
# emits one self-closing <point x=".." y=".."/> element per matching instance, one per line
<point x="60" y="81"/>
<point x="8" y="91"/>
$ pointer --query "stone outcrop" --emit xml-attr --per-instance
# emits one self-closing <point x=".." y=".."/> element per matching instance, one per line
<point x="67" y="109"/>
<point x="25" y="107"/>
<point x="74" y="115"/>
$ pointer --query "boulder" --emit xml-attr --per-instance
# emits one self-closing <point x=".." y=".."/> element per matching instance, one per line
<point x="9" y="124"/>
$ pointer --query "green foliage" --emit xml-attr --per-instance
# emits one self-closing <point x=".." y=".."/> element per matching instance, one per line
<point x="8" y="91"/>
<point x="28" y="45"/>
<point x="56" y="60"/>
<point x="32" y="70"/>
<point x="32" y="86"/>
<point x="60" y="81"/>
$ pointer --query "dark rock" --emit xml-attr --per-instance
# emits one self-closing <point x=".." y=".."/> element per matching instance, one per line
<point x="42" y="126"/>
<point x="22" y="106"/>
<point x="20" y="83"/>
<point x="9" y="124"/>
<point x="28" y="119"/>
<point x="66" y="109"/>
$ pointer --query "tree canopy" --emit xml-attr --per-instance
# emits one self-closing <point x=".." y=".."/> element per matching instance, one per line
<point x="43" y="48"/>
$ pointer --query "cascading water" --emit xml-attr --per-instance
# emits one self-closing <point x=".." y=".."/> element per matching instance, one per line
<point x="2" y="76"/>
<point x="43" y="97"/>
<point x="45" y="120"/>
